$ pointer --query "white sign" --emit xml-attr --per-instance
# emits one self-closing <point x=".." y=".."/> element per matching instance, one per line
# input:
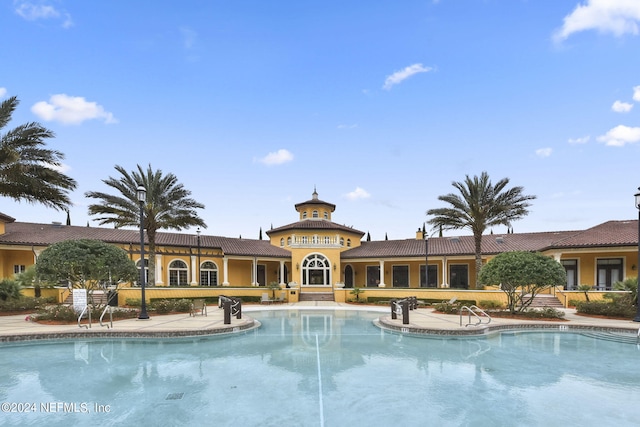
<point x="79" y="299"/>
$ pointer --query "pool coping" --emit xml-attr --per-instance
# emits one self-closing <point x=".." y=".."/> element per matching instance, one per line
<point x="247" y="324"/>
<point x="385" y="322"/>
<point x="423" y="322"/>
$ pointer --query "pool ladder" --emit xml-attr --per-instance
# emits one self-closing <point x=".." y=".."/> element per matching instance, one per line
<point x="477" y="312"/>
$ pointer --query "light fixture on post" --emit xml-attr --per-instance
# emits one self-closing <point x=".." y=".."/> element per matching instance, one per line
<point x="198" y="269"/>
<point x="426" y="260"/>
<point x="637" y="199"/>
<point x="141" y="193"/>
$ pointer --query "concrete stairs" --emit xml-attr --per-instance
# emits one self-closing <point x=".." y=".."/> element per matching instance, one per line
<point x="316" y="296"/>
<point x="542" y="301"/>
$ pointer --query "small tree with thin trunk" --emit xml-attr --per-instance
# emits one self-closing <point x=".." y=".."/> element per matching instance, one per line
<point x="522" y="275"/>
<point x="85" y="264"/>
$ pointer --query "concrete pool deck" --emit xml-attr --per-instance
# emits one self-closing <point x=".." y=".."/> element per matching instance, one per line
<point x="421" y="321"/>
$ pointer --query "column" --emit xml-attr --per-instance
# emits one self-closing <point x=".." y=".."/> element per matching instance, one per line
<point x="159" y="278"/>
<point x="282" y="278"/>
<point x="225" y="271"/>
<point x="194" y="270"/>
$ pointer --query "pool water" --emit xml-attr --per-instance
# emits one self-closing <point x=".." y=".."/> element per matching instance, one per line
<point x="325" y="368"/>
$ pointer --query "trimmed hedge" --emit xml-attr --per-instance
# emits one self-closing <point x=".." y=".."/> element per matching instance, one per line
<point x="24" y="303"/>
<point x="614" y="308"/>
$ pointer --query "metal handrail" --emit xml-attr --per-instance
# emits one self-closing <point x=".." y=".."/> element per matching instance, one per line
<point x="110" y="325"/>
<point x="473" y="309"/>
<point x="86" y="307"/>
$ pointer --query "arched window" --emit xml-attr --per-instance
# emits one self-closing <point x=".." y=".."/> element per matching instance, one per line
<point x="348" y="243"/>
<point x="208" y="274"/>
<point x="314" y="214"/>
<point x="282" y="242"/>
<point x="146" y="272"/>
<point x="178" y="273"/>
<point x="342" y="241"/>
<point x="316" y="270"/>
<point x="288" y="241"/>
<point x="326" y="215"/>
<point x="304" y="215"/>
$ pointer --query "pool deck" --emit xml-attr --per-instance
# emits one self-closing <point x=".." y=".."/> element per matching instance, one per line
<point x="421" y="321"/>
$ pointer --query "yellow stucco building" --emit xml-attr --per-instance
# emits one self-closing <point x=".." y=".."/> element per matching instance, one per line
<point x="317" y="258"/>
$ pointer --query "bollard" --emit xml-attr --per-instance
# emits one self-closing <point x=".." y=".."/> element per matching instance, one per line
<point x="405" y="312"/>
<point x="227" y="311"/>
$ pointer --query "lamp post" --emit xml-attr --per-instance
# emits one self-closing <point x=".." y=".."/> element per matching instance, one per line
<point x="426" y="260"/>
<point x="637" y="318"/>
<point x="141" y="192"/>
<point x="198" y="269"/>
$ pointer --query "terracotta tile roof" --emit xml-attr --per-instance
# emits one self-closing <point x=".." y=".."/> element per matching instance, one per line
<point x="316" y="202"/>
<point x="250" y="247"/>
<point x="610" y="233"/>
<point x="315" y="224"/>
<point x="6" y="218"/>
<point x="31" y="234"/>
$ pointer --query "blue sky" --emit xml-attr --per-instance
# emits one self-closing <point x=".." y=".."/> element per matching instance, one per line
<point x="379" y="104"/>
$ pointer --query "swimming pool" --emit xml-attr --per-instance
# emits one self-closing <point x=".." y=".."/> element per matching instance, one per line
<point x="325" y="368"/>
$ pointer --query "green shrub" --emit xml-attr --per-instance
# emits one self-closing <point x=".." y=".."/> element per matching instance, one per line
<point x="9" y="289"/>
<point x="133" y="302"/>
<point x="618" y="307"/>
<point x="24" y="303"/>
<point x="66" y="313"/>
<point x="446" y="308"/>
<point x="183" y="305"/>
<point x="630" y="284"/>
<point x="163" y="306"/>
<point x="490" y="304"/>
<point x="543" y="313"/>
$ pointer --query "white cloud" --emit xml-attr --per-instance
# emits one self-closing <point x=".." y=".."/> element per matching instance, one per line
<point x="621" y="135"/>
<point x="3" y="91"/>
<point x="358" y="193"/>
<point x="636" y="93"/>
<point x="34" y="12"/>
<point x="621" y="107"/>
<point x="544" y="152"/>
<point x="189" y="37"/>
<point x="404" y="74"/>
<point x="71" y="110"/>
<point x="581" y="140"/>
<point x="617" y="17"/>
<point x="277" y="158"/>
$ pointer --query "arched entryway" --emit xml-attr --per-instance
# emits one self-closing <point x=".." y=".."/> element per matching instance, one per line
<point x="316" y="271"/>
<point x="348" y="277"/>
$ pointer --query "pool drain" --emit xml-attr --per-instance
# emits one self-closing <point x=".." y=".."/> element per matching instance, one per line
<point x="174" y="396"/>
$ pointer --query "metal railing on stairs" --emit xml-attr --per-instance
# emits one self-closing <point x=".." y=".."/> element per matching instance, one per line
<point x="86" y="309"/>
<point x="110" y="308"/>
<point x="479" y="314"/>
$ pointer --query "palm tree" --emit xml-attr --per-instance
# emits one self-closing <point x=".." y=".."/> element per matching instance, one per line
<point x="480" y="205"/>
<point x="28" y="171"/>
<point x="168" y="205"/>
